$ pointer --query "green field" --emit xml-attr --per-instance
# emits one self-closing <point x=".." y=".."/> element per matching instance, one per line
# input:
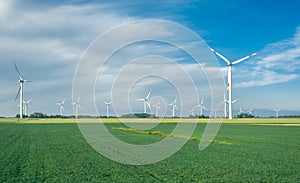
<point x="45" y="151"/>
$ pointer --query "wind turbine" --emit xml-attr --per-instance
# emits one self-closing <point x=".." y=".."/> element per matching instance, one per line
<point x="146" y="102"/>
<point x="215" y="112"/>
<point x="20" y="92"/>
<point x="61" y="106"/>
<point x="241" y="111"/>
<point x="76" y="106"/>
<point x="201" y="107"/>
<point x="157" y="108"/>
<point x="276" y="112"/>
<point x="250" y="111"/>
<point x="229" y="84"/>
<point x="173" y="105"/>
<point x="192" y="112"/>
<point x="107" y="108"/>
<point x="26" y="109"/>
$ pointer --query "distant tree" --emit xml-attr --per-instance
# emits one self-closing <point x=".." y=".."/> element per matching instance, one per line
<point x="202" y="116"/>
<point x="38" y="115"/>
<point x="138" y="115"/>
<point x="244" y="115"/>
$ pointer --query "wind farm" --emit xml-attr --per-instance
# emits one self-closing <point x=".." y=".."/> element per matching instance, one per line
<point x="152" y="91"/>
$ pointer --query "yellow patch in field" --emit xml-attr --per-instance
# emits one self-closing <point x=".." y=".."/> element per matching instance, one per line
<point x="161" y="134"/>
<point x="286" y="124"/>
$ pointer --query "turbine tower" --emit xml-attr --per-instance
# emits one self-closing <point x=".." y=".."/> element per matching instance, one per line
<point x="107" y="108"/>
<point x="20" y="92"/>
<point x="174" y="107"/>
<point x="201" y="107"/>
<point x="61" y="106"/>
<point x="26" y="109"/>
<point x="229" y="84"/>
<point x="157" y="108"/>
<point x="76" y="106"/>
<point x="146" y="102"/>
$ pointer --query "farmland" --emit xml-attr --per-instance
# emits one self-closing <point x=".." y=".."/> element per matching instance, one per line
<point x="257" y="150"/>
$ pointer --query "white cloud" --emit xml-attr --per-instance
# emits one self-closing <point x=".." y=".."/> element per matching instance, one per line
<point x="277" y="63"/>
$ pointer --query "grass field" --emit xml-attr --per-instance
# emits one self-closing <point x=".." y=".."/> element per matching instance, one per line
<point x="55" y="151"/>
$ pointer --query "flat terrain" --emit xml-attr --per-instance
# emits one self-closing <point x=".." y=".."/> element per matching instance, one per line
<point x="53" y="150"/>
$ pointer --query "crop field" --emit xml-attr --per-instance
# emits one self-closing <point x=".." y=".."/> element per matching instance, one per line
<point x="54" y="150"/>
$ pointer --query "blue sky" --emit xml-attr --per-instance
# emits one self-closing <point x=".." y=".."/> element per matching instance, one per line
<point x="46" y="40"/>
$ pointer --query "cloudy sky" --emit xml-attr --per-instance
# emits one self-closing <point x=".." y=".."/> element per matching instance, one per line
<point x="49" y="40"/>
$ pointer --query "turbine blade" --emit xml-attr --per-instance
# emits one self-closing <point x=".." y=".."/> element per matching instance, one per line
<point x="20" y="76"/>
<point x="175" y="107"/>
<point x="18" y="93"/>
<point x="28" y="81"/>
<point x="202" y="101"/>
<point x="148" y="95"/>
<point x="204" y="108"/>
<point x="244" y="58"/>
<point x="148" y="104"/>
<point x="235" y="100"/>
<point x="78" y="99"/>
<point x="221" y="56"/>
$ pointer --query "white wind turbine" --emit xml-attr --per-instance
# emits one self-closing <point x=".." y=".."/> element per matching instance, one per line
<point x="229" y="84"/>
<point x="174" y="107"/>
<point x="146" y="102"/>
<point x="76" y="106"/>
<point x="61" y="106"/>
<point x="241" y="111"/>
<point x="215" y="112"/>
<point x="201" y="107"/>
<point x="26" y="108"/>
<point x="20" y="92"/>
<point x="276" y="112"/>
<point x="107" y="108"/>
<point x="192" y="112"/>
<point x="250" y="111"/>
<point x="157" y="108"/>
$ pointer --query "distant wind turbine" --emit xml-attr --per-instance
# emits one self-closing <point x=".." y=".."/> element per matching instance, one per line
<point x="20" y="92"/>
<point x="276" y="112"/>
<point x="192" y="112"/>
<point x="26" y="108"/>
<point x="76" y="106"/>
<point x="107" y="108"/>
<point x="157" y="108"/>
<point x="250" y="111"/>
<point x="215" y="112"/>
<point x="146" y="102"/>
<point x="174" y="107"/>
<point x="229" y="84"/>
<point x="61" y="106"/>
<point x="241" y="111"/>
<point x="201" y="107"/>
